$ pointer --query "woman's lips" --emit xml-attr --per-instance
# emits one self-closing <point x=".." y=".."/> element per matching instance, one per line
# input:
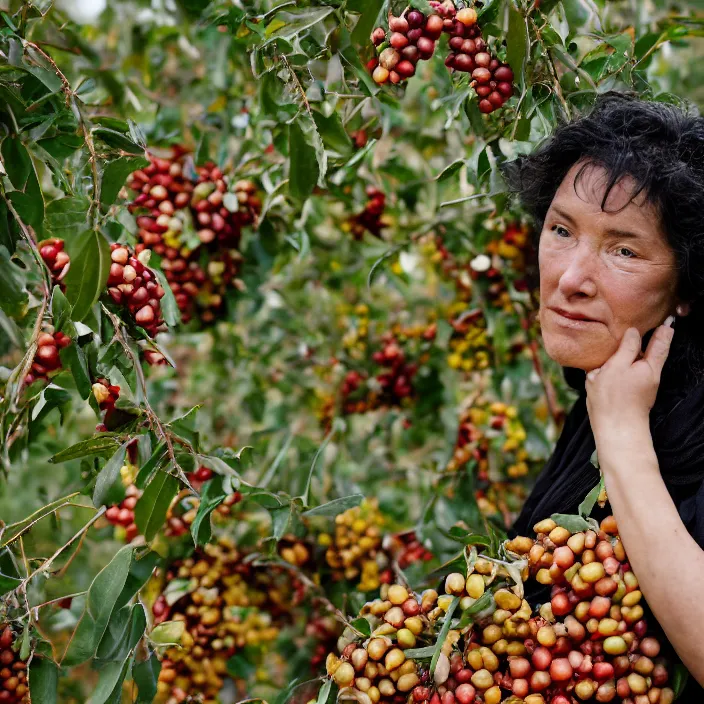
<point x="572" y="319"/>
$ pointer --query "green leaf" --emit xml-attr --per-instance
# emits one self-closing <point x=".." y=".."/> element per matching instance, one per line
<point x="90" y="266"/>
<point x="17" y="161"/>
<point x="14" y="529"/>
<point x="102" y="596"/>
<point x="185" y="426"/>
<point x="74" y="359"/>
<point x="30" y="208"/>
<point x="333" y="132"/>
<point x="332" y="508"/>
<point x="467" y="537"/>
<point x="43" y="680"/>
<point x="680" y="676"/>
<point x="141" y="570"/>
<point x="146" y="675"/>
<point x="368" y="14"/>
<point x="574" y="524"/>
<point x="484" y="602"/>
<point x="169" y="307"/>
<point x="324" y="692"/>
<point x="111" y="677"/>
<point x="289" y="23"/>
<point x="115" y="174"/>
<point x="124" y="631"/>
<point x="363" y="626"/>
<point x="168" y="633"/>
<point x="151" y="508"/>
<point x="303" y="165"/>
<point x="517" y="44"/>
<point x="66" y="217"/>
<point x="211" y="496"/>
<point x="13" y="297"/>
<point x="9" y="577"/>
<point x="443" y="633"/>
<point x="150" y="465"/>
<point x="108" y="476"/>
<point x="420" y="653"/>
<point x="311" y="472"/>
<point x="60" y="308"/>
<point x="118" y="140"/>
<point x="94" y="446"/>
<point x="585" y="508"/>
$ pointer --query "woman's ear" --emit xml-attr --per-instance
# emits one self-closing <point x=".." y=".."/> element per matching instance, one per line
<point x="682" y="309"/>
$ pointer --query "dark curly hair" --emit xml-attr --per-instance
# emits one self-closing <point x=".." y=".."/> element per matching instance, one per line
<point x="659" y="145"/>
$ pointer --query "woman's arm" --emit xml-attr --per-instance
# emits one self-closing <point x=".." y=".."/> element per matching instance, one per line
<point x="667" y="561"/>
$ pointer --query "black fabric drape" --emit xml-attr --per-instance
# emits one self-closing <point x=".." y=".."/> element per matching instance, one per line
<point x="677" y="428"/>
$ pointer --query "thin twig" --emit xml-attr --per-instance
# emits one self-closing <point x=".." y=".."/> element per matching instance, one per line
<point x="154" y="420"/>
<point x="45" y="565"/>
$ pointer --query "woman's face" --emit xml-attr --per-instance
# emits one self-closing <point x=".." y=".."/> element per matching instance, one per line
<point x="601" y="272"/>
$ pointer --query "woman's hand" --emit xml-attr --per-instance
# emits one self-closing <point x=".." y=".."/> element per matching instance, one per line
<point x="621" y="393"/>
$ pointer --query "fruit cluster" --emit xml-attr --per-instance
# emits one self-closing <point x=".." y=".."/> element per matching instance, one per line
<point x="106" y="394"/>
<point x="56" y="259"/>
<point x="407" y="549"/>
<point x="122" y="514"/>
<point x="184" y="509"/>
<point x="378" y="667"/>
<point x="46" y="358"/>
<point x="592" y="639"/>
<point x="354" y="552"/>
<point x="470" y="347"/>
<point x="396" y="382"/>
<point x="413" y="36"/>
<point x="133" y="285"/>
<point x="14" y="688"/>
<point x="371" y="218"/>
<point x="589" y="643"/>
<point x="227" y="606"/>
<point x="191" y="218"/>
<point x="483" y="425"/>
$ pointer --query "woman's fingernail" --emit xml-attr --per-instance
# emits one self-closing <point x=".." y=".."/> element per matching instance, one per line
<point x="669" y="321"/>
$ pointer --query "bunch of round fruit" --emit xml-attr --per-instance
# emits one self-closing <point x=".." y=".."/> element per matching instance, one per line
<point x="133" y="285"/>
<point x="56" y="259"/>
<point x="354" y="552"/>
<point x="106" y="395"/>
<point x="413" y="37"/>
<point x="589" y="643"/>
<point x="470" y="345"/>
<point x="46" y="358"/>
<point x="371" y="218"/>
<point x="225" y="605"/>
<point x="377" y="669"/>
<point x="193" y="217"/>
<point x="407" y="549"/>
<point x="13" y="671"/>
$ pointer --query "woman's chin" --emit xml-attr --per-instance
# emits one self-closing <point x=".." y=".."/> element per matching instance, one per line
<point x="570" y="355"/>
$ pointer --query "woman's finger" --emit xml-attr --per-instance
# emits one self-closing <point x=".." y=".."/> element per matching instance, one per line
<point x="658" y="348"/>
<point x="627" y="351"/>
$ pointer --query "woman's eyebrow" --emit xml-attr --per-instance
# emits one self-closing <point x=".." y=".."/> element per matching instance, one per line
<point x="613" y="231"/>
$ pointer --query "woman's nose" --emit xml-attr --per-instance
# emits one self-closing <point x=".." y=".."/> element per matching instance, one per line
<point x="579" y="277"/>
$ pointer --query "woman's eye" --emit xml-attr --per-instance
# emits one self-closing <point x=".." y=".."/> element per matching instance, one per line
<point x="625" y="252"/>
<point x="560" y="231"/>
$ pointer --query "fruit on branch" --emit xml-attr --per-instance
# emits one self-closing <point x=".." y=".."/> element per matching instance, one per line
<point x="46" y="358"/>
<point x="470" y="346"/>
<point x="492" y="80"/>
<point x="354" y="551"/>
<point x="133" y="285"/>
<point x="371" y="218"/>
<point x="106" y="395"/>
<point x="191" y="218"/>
<point x="122" y="514"/>
<point x="589" y="643"/>
<point x="408" y="550"/>
<point x="296" y="551"/>
<point x="413" y="37"/>
<point x="14" y="688"/>
<point x="56" y="259"/>
<point x="184" y="508"/>
<point x="396" y="383"/>
<point x="228" y="605"/>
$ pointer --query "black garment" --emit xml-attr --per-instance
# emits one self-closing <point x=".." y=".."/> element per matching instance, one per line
<point x="677" y="427"/>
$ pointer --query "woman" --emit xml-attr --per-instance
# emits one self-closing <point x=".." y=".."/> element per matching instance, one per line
<point x="618" y="199"/>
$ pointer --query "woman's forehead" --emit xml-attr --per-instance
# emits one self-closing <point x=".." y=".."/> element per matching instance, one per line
<point x="585" y="185"/>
